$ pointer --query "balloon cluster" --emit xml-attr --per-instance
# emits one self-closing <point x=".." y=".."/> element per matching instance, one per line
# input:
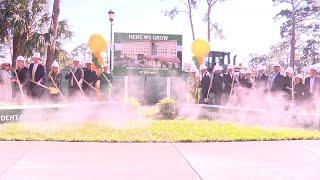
<point x="97" y="45"/>
<point x="200" y="48"/>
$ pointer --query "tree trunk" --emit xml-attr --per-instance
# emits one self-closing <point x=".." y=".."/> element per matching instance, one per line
<point x="208" y="25"/>
<point x="209" y="21"/>
<point x="17" y="48"/>
<point x="190" y="19"/>
<point x="293" y="43"/>
<point x="53" y="35"/>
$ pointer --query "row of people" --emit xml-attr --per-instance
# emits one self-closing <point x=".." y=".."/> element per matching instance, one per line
<point x="24" y="82"/>
<point x="223" y="85"/>
<point x="86" y="80"/>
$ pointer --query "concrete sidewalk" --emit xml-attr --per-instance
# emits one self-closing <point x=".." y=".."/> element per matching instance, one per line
<point x="181" y="161"/>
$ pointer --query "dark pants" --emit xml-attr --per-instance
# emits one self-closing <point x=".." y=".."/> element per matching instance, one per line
<point x="217" y="98"/>
<point x="35" y="91"/>
<point x="226" y="96"/>
<point x="73" y="91"/>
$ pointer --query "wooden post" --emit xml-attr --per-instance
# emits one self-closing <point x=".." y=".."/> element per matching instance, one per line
<point x="168" y="86"/>
<point x="126" y="80"/>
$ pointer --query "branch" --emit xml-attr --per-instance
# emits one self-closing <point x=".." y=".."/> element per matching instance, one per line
<point x="301" y="20"/>
<point x="297" y="5"/>
<point x="184" y="3"/>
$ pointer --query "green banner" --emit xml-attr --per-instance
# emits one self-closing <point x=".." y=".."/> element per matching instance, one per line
<point x="138" y="54"/>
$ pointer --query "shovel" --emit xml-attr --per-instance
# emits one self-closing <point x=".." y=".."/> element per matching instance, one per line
<point x="52" y="90"/>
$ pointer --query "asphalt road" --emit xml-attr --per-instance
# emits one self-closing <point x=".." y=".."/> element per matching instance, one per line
<point x="152" y="161"/>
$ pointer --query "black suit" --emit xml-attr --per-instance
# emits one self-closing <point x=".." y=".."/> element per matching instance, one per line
<point x="72" y="85"/>
<point x="217" y="88"/>
<point x="204" y="84"/>
<point x="90" y="77"/>
<point x="23" y="76"/>
<point x="316" y="87"/>
<point x="287" y="85"/>
<point x="36" y="91"/>
<point x="246" y="83"/>
<point x="299" y="92"/>
<point x="277" y="84"/>
<point x="227" y="80"/>
<point x="262" y="81"/>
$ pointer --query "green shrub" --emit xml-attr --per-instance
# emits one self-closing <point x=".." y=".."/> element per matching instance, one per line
<point x="167" y="108"/>
<point x="133" y="102"/>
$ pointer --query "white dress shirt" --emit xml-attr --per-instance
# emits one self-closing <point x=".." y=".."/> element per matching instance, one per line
<point x="35" y="66"/>
<point x="312" y="79"/>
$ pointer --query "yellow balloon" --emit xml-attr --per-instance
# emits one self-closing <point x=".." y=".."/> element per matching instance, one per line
<point x="200" y="47"/>
<point x="97" y="43"/>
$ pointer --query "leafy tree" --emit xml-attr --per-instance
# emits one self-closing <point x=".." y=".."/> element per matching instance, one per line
<point x="25" y="28"/>
<point x="256" y="59"/>
<point x="311" y="52"/>
<point x="80" y="51"/>
<point x="188" y="7"/>
<point x="63" y="59"/>
<point x="207" y="19"/>
<point x="300" y="18"/>
<point x="24" y="24"/>
<point x="279" y="52"/>
<point x="53" y="34"/>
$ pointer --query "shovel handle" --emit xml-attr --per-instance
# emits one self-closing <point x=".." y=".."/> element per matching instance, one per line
<point x="43" y="86"/>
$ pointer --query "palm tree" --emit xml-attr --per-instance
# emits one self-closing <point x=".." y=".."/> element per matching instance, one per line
<point x="24" y="25"/>
<point x="53" y="34"/>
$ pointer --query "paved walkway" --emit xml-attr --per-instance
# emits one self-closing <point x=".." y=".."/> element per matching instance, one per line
<point x="182" y="161"/>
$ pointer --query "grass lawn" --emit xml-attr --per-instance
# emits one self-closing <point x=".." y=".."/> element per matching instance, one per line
<point x="149" y="131"/>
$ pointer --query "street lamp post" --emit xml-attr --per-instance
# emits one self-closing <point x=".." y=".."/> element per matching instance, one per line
<point x="111" y="16"/>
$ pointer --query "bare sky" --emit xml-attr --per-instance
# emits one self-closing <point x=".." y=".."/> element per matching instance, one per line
<point x="248" y="25"/>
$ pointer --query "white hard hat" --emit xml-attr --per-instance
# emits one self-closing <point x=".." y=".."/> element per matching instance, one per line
<point x="203" y="66"/>
<point x="260" y="67"/>
<point x="217" y="68"/>
<point x="36" y="55"/>
<point x="87" y="61"/>
<point x="248" y="71"/>
<point x="313" y="67"/>
<point x="289" y="70"/>
<point x="299" y="76"/>
<point x="20" y="58"/>
<point x="55" y="64"/>
<point x="230" y="66"/>
<point x="276" y="64"/>
<point x="242" y="71"/>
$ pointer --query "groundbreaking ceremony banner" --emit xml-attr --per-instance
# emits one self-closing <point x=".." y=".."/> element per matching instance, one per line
<point x="138" y="54"/>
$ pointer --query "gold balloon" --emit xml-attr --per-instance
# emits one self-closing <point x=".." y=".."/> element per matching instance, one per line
<point x="200" y="48"/>
<point x="97" y="43"/>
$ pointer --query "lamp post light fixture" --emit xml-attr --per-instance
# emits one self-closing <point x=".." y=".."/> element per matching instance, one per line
<point x="111" y="16"/>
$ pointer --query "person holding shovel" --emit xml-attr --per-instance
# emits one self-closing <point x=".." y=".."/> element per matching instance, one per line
<point x="205" y="83"/>
<point x="75" y="77"/>
<point x="106" y="82"/>
<point x="20" y="80"/>
<point x="37" y="73"/>
<point x="54" y="81"/>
